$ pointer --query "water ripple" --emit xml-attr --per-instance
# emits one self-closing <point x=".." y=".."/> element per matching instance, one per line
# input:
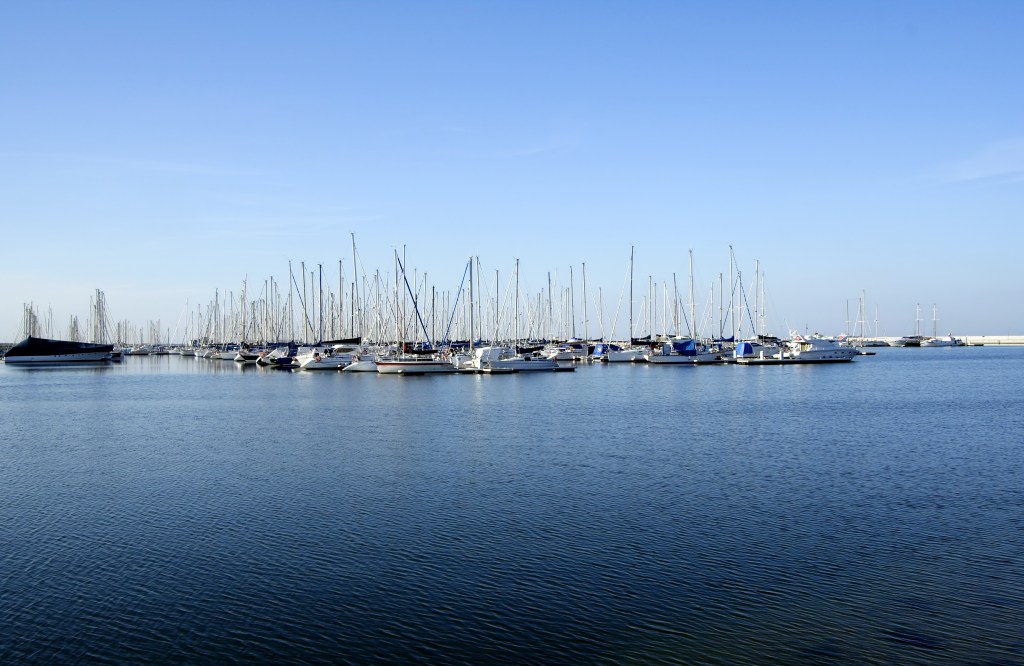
<point x="522" y="521"/>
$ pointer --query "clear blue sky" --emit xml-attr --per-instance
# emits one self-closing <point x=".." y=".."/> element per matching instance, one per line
<point x="162" y="151"/>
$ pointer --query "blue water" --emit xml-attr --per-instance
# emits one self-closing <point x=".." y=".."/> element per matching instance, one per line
<point x="178" y="510"/>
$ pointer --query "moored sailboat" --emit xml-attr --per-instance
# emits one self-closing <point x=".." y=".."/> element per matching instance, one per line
<point x="423" y="361"/>
<point x="686" y="351"/>
<point x="507" y="359"/>
<point x="410" y="365"/>
<point x="321" y="357"/>
<point x="935" y="340"/>
<point x="626" y="353"/>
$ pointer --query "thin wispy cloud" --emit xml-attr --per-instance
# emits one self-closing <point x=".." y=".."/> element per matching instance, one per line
<point x="550" y="146"/>
<point x="130" y="163"/>
<point x="186" y="168"/>
<point x="1002" y="161"/>
<point x="423" y="130"/>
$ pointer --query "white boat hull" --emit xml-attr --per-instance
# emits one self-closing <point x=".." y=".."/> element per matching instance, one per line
<point x="669" y="359"/>
<point x="824" y="356"/>
<point x="787" y="360"/>
<point x="415" y="367"/>
<point x="505" y="359"/>
<point x="361" y="366"/>
<point x="941" y="342"/>
<point x="680" y="359"/>
<point x="520" y="364"/>
<point x="623" y="356"/>
<point x="323" y="362"/>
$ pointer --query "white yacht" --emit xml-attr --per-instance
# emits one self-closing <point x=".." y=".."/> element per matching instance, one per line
<point x="947" y="341"/>
<point x="573" y="350"/>
<point x="800" y="349"/>
<point x="363" y="362"/>
<point x="320" y="357"/>
<point x="507" y="359"/>
<point x="415" y="365"/>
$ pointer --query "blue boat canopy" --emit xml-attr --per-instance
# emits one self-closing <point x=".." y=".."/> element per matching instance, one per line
<point x="685" y="347"/>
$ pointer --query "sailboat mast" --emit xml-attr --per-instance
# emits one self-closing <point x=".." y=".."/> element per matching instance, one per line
<point x="305" y="314"/>
<point x="471" y="336"/>
<point x="732" y="291"/>
<point x="721" y="306"/>
<point x="357" y="324"/>
<point x="398" y="330"/>
<point x="631" y="251"/>
<point x="693" y="311"/>
<point x="550" y="318"/>
<point x="586" y="333"/>
<point x="763" y="304"/>
<point x="426" y="284"/>
<point x="378" y="309"/>
<point x="651" y="315"/>
<point x="244" y="306"/>
<point x="675" y="304"/>
<point x="516" y="326"/>
<point x="757" y="280"/>
<point x="572" y="305"/>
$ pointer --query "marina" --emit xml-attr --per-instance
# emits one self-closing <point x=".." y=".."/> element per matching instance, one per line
<point x="675" y="334"/>
<point x="393" y="330"/>
<point x="356" y="356"/>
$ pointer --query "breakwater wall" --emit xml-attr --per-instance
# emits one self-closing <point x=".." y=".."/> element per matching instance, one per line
<point x="993" y="340"/>
<point x="976" y="340"/>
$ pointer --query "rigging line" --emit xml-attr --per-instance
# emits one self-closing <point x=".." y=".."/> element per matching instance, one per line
<point x="455" y="305"/>
<point x="302" y="300"/>
<point x="408" y="289"/>
<point x="746" y="303"/>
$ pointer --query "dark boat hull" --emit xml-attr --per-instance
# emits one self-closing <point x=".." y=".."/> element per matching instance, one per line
<point x="45" y="350"/>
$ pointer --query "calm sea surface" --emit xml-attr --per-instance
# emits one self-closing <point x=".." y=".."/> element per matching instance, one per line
<point x="178" y="510"/>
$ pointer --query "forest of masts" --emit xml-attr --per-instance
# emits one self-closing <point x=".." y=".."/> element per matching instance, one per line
<point x="399" y="306"/>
